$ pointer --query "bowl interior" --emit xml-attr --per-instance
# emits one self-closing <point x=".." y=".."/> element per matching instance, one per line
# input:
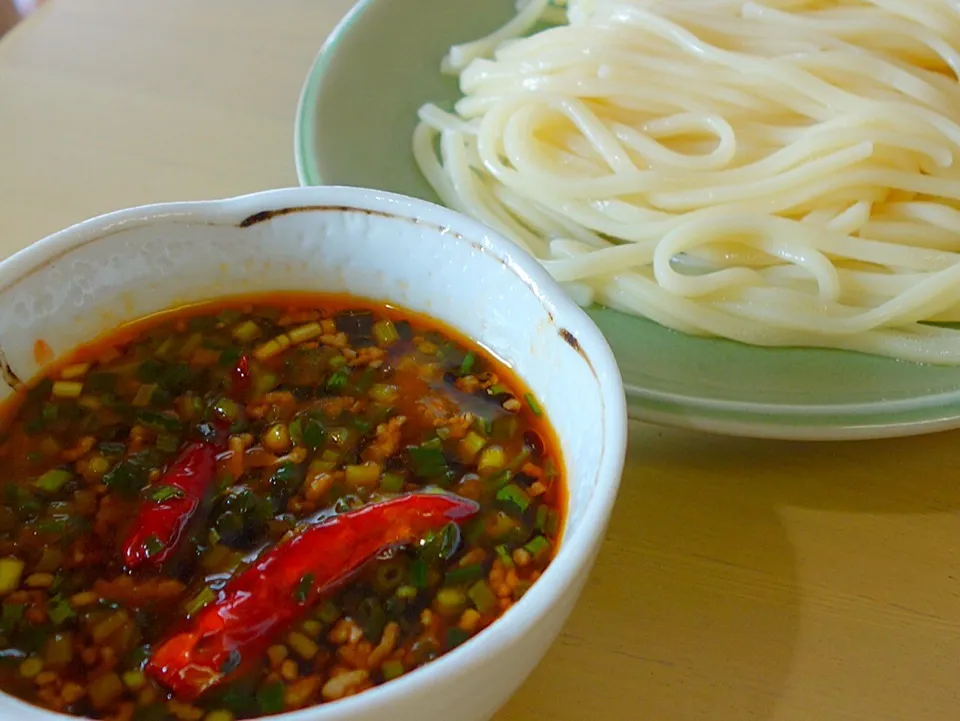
<point x="354" y="127"/>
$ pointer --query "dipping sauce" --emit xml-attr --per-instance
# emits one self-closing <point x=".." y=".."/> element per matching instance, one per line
<point x="238" y="509"/>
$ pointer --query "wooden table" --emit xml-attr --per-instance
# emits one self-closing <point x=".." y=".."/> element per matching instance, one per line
<point x="740" y="580"/>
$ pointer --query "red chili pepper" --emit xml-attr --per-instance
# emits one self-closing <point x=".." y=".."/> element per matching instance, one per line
<point x="286" y="580"/>
<point x="161" y="520"/>
<point x="240" y="376"/>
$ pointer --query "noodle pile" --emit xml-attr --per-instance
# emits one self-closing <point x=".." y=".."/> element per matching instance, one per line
<point x="777" y="172"/>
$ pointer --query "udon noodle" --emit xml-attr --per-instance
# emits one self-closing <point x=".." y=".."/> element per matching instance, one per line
<point x="777" y="172"/>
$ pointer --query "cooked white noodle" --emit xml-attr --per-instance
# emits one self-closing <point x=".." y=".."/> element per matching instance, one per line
<point x="778" y="172"/>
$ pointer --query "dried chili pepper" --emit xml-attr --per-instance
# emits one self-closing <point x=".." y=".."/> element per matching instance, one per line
<point x="171" y="503"/>
<point x="286" y="580"/>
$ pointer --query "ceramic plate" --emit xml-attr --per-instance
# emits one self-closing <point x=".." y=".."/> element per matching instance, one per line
<point x="356" y="116"/>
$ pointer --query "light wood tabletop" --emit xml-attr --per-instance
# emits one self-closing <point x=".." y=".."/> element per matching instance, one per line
<point x="740" y="579"/>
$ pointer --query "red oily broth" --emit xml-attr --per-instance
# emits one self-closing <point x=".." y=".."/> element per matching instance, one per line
<point x="365" y="485"/>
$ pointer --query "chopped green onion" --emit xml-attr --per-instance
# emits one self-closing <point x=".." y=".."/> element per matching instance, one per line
<point x="328" y="612"/>
<point x="541" y="517"/>
<point x="548" y="520"/>
<point x="58" y="651"/>
<point x="464" y="575"/>
<point x="339" y="379"/>
<point x="314" y="433"/>
<point x="472" y="444"/>
<point x="361" y="425"/>
<point x="270" y="698"/>
<point x="371" y="618"/>
<point x="229" y="357"/>
<point x="340" y="436"/>
<point x="59" y="610"/>
<point x="160" y="421"/>
<point x="50" y="412"/>
<point x="143" y="395"/>
<point x="483" y="598"/>
<point x="498" y="480"/>
<point x="227" y="409"/>
<point x="493" y="458"/>
<point x="11" y="615"/>
<point x="191" y="344"/>
<point x="484" y="425"/>
<point x="451" y="601"/>
<point x="456" y="636"/>
<point x="391" y="483"/>
<point x="537" y="546"/>
<point x="67" y="389"/>
<point x="168" y="443"/>
<point x="366" y="474"/>
<point x="77" y="370"/>
<point x="365" y="381"/>
<point x="384" y="393"/>
<point x="550" y="469"/>
<point x="428" y="459"/>
<point x="338" y="361"/>
<point x="296" y="432"/>
<point x="163" y="492"/>
<point x="505" y="428"/>
<point x="31" y="667"/>
<point x="474" y="530"/>
<point x="205" y="596"/>
<point x="134" y="679"/>
<point x="515" y="496"/>
<point x="52" y="525"/>
<point x="522" y="457"/>
<point x="419" y="573"/>
<point x="520" y="589"/>
<point x="10" y="571"/>
<point x="392" y="670"/>
<point x="534" y="406"/>
<point x="497" y="389"/>
<point x="263" y="383"/>
<point x="53" y="480"/>
<point x="153" y="545"/>
<point x="302" y="592"/>
<point x="448" y="541"/>
<point x="303" y="333"/>
<point x="246" y="331"/>
<point x="408" y="593"/>
<point x="468" y="360"/>
<point x="504" y="555"/>
<point x="385" y="332"/>
<point x="388" y="575"/>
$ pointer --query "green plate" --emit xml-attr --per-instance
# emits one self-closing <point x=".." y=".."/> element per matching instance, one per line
<point x="356" y="116"/>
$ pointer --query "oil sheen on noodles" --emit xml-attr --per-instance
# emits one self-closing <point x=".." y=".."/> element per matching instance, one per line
<point x="778" y="172"/>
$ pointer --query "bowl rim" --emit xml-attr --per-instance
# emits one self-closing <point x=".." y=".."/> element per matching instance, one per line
<point x="576" y="553"/>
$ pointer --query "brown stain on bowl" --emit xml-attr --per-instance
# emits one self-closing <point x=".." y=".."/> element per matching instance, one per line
<point x="571" y="340"/>
<point x="265" y="215"/>
<point x="6" y="372"/>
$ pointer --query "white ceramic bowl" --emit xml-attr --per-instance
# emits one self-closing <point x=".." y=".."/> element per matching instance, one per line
<point x="86" y="279"/>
